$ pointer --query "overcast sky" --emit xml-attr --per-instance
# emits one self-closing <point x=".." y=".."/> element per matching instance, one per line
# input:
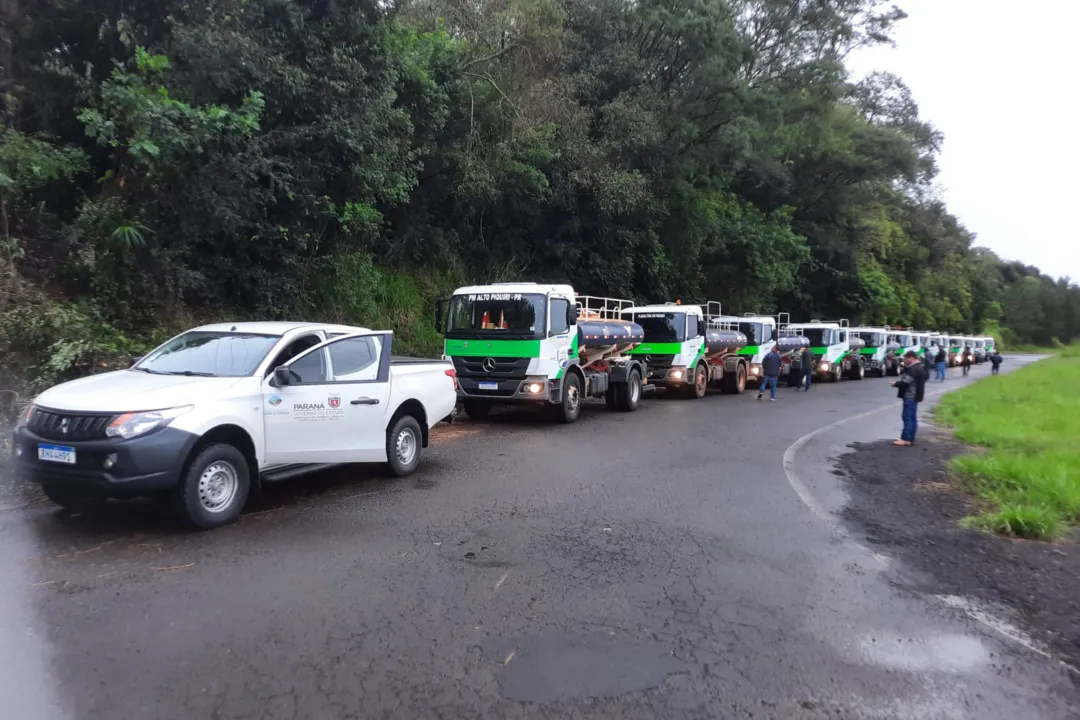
<point x="1001" y="81"/>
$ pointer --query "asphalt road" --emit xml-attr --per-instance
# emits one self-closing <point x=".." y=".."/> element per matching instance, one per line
<point x="659" y="564"/>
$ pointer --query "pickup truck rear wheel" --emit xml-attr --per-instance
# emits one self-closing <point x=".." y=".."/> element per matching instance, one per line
<point x="404" y="442"/>
<point x="214" y="487"/>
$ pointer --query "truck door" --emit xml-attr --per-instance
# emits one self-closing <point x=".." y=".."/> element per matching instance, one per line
<point x="333" y="409"/>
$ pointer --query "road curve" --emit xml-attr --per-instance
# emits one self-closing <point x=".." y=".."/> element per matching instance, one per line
<point x="657" y="564"/>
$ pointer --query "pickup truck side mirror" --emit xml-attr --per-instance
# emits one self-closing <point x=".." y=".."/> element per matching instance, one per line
<point x="281" y="376"/>
<point x="136" y="359"/>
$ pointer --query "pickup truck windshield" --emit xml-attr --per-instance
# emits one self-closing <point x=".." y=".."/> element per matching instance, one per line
<point x="210" y="354"/>
<point x="509" y="315"/>
<point x="662" y="327"/>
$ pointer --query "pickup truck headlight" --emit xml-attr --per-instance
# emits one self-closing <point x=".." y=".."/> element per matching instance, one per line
<point x="131" y="425"/>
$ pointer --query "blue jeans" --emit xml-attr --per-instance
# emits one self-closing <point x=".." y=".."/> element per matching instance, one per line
<point x="809" y="375"/>
<point x="941" y="371"/>
<point x="910" y="415"/>
<point x="769" y="381"/>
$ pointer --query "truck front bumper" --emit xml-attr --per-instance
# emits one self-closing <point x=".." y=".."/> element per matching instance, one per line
<point x="113" y="467"/>
<point x="531" y="389"/>
<point x="674" y="376"/>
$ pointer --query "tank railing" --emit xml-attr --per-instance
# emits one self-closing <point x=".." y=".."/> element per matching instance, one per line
<point x="603" y="308"/>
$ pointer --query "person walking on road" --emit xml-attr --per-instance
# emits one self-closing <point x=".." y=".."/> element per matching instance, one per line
<point x="770" y="373"/>
<point x="995" y="362"/>
<point x="910" y="388"/>
<point x="940" y="363"/>
<point x="806" y="361"/>
<point x="965" y="361"/>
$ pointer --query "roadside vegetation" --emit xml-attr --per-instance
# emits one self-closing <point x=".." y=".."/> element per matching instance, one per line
<point x="177" y="162"/>
<point x="1027" y="421"/>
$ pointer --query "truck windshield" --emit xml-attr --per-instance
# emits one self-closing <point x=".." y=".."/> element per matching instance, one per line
<point x="662" y="327"/>
<point x="210" y="354"/>
<point x="873" y="339"/>
<point x="819" y="337"/>
<point x="509" y="315"/>
<point x="754" y="332"/>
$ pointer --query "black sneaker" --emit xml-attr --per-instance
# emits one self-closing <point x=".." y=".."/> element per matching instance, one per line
<point x="759" y="395"/>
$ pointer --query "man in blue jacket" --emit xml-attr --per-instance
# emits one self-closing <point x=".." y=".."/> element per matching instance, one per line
<point x="770" y="373"/>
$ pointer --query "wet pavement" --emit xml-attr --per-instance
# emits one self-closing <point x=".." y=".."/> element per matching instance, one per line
<point x="659" y="564"/>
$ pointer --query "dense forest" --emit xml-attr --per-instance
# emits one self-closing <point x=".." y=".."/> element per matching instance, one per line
<point x="170" y="162"/>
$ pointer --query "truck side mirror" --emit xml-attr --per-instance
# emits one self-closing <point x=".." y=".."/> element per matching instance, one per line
<point x="439" y="314"/>
<point x="281" y="376"/>
<point x="571" y="314"/>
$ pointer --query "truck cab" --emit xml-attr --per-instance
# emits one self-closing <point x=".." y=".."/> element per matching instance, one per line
<point x="900" y="342"/>
<point x="522" y="342"/>
<point x="877" y="355"/>
<point x="207" y="416"/>
<point x="835" y="348"/>
<point x="689" y="347"/>
<point x="761" y="332"/>
<point x="955" y="348"/>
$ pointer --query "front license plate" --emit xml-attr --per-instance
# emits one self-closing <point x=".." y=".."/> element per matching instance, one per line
<point x="489" y="386"/>
<point x="56" y="453"/>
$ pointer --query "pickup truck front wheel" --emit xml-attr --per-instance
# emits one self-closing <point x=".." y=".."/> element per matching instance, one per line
<point x="403" y="444"/>
<point x="215" y="487"/>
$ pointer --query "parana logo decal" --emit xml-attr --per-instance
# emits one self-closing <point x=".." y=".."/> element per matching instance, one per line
<point x="274" y="400"/>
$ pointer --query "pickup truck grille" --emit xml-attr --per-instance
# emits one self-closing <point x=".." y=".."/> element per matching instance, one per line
<point x="502" y="368"/>
<point x="67" y="426"/>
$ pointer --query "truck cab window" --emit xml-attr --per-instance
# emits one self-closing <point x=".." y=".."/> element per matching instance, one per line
<point x="692" y="330"/>
<point x="559" y="308"/>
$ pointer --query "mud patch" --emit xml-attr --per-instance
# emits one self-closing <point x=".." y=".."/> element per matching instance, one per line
<point x="903" y="502"/>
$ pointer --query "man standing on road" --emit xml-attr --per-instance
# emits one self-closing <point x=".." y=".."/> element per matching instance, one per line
<point x="939" y="363"/>
<point x="910" y="389"/>
<point x="995" y="362"/>
<point x="965" y="361"/>
<point x="770" y="372"/>
<point x="806" y="362"/>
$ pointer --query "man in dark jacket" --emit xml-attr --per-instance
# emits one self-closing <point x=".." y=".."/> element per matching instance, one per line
<point x="770" y="373"/>
<point x="806" y="361"/>
<point x="995" y="362"/>
<point x="910" y="388"/>
<point x="941" y="362"/>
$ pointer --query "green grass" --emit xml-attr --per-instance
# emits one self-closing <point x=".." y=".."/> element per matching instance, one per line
<point x="1028" y="420"/>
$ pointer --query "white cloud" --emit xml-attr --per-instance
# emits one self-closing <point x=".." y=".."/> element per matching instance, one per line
<point x="1000" y="81"/>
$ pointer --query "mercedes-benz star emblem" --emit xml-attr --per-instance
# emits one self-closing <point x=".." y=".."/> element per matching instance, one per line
<point x="489" y="365"/>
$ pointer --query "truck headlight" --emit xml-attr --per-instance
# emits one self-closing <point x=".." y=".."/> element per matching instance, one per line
<point x="131" y="425"/>
<point x="534" y="388"/>
<point x="24" y="419"/>
<point x="824" y="367"/>
<point x="677" y="374"/>
<point x="755" y="369"/>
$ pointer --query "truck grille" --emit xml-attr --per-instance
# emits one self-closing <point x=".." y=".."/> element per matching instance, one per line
<point x="659" y="361"/>
<point x="501" y="368"/>
<point x="67" y="426"/>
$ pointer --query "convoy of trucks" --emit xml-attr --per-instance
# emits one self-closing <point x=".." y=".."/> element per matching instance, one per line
<point x="177" y="425"/>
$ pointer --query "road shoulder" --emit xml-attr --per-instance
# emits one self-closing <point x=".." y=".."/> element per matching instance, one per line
<point x="904" y="503"/>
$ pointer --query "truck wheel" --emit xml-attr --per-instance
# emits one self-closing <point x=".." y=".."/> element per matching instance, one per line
<point x="628" y="394"/>
<point x="569" y="409"/>
<point x="213" y="488"/>
<point x="610" y="400"/>
<point x="858" y="371"/>
<point x="701" y="383"/>
<point x="71" y="500"/>
<point x="404" y="443"/>
<point x="735" y="383"/>
<point x="835" y="373"/>
<point x="477" y="409"/>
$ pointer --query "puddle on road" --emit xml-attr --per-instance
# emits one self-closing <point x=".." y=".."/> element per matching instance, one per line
<point x="944" y="653"/>
<point x="554" y="668"/>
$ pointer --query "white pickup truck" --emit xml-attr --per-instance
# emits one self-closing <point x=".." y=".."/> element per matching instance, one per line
<point x="206" y="417"/>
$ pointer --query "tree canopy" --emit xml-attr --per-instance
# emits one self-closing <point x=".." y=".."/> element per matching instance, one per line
<point x="278" y="158"/>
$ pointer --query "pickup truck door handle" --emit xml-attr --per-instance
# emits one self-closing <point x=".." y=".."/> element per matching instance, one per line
<point x="364" y="401"/>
